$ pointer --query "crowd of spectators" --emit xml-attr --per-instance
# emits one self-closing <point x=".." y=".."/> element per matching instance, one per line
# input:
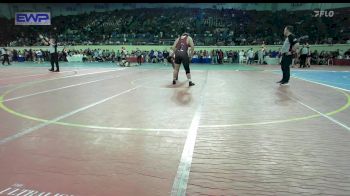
<point x="160" y="26"/>
<point x="159" y="56"/>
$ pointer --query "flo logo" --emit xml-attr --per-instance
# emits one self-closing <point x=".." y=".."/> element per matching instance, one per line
<point x="322" y="13"/>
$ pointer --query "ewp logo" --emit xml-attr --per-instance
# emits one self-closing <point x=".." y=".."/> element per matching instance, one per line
<point x="33" y="18"/>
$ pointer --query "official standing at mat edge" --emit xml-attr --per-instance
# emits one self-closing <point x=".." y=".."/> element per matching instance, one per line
<point x="5" y="54"/>
<point x="53" y="52"/>
<point x="290" y="46"/>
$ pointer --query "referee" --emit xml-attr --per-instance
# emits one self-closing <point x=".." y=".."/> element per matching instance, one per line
<point x="53" y="52"/>
<point x="5" y="53"/>
<point x="290" y="46"/>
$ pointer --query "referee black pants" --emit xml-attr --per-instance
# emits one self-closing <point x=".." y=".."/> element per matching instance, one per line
<point x="54" y="60"/>
<point x="285" y="66"/>
<point x="6" y="59"/>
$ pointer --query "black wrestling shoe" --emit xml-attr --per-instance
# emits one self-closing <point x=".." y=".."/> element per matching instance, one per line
<point x="191" y="83"/>
<point x="174" y="82"/>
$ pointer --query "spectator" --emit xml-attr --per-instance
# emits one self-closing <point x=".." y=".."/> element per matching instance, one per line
<point x="250" y="56"/>
<point x="241" y="57"/>
<point x="261" y="55"/>
<point x="304" y="51"/>
<point x="308" y="59"/>
<point x="220" y="56"/>
<point x="215" y="56"/>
